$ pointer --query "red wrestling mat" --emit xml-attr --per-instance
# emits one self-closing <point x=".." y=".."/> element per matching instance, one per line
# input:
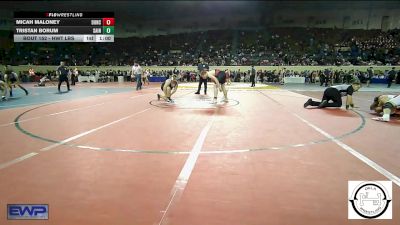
<point x="127" y="158"/>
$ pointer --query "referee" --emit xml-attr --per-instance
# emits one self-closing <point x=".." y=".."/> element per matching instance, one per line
<point x="62" y="72"/>
<point x="202" y="66"/>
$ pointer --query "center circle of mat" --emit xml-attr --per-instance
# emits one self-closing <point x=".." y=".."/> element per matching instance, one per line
<point x="202" y="102"/>
<point x="269" y="148"/>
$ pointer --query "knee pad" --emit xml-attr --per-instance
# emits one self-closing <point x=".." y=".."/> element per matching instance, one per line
<point x="389" y="105"/>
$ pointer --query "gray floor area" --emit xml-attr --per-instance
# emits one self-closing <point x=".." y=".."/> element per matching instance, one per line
<point x="315" y="87"/>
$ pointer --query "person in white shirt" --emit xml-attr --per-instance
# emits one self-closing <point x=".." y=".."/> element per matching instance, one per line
<point x="31" y="72"/>
<point x="137" y="72"/>
<point x="74" y="75"/>
<point x="146" y="75"/>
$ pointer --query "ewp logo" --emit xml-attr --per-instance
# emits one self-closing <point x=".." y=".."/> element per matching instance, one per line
<point x="27" y="212"/>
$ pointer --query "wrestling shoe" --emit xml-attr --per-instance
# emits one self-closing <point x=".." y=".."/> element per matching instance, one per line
<point x="197" y="93"/>
<point x="308" y="102"/>
<point x="214" y="101"/>
<point x="381" y="119"/>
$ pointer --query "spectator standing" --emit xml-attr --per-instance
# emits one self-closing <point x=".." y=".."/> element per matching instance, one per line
<point x="369" y="75"/>
<point x="146" y="75"/>
<point x="327" y="77"/>
<point x="74" y="75"/>
<point x="392" y="75"/>
<point x="253" y="76"/>
<point x="321" y="78"/>
<point x="398" y="78"/>
<point x="137" y="72"/>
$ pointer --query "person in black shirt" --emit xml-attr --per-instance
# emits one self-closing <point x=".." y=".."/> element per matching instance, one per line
<point x="327" y="77"/>
<point x="369" y="75"/>
<point x="392" y="75"/>
<point x="261" y="74"/>
<point x="335" y="94"/>
<point x="398" y="77"/>
<point x="253" y="77"/>
<point x="202" y="67"/>
<point x="348" y="77"/>
<point x="11" y="79"/>
<point x="62" y="71"/>
<point x="321" y="78"/>
<point x="175" y="72"/>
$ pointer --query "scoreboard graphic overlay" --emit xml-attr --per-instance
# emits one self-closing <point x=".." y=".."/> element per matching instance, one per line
<point x="64" y="26"/>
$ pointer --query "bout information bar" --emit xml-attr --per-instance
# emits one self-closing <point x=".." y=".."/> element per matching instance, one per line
<point x="64" y="26"/>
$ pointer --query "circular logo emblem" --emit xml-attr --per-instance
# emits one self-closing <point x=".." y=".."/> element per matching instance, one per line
<point x="370" y="200"/>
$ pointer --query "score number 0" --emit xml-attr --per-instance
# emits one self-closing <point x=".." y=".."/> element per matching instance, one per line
<point x="108" y="21"/>
<point x="108" y="25"/>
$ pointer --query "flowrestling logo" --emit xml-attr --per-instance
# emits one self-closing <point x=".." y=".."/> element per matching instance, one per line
<point x="27" y="212"/>
<point x="370" y="200"/>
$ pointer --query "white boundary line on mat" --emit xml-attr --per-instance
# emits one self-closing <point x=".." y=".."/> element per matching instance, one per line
<point x="355" y="153"/>
<point x="186" y="171"/>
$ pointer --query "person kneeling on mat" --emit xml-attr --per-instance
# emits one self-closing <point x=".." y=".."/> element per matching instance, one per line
<point x="335" y="94"/>
<point x="388" y="108"/>
<point x="379" y="101"/>
<point x="218" y="77"/>
<point x="169" y="88"/>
